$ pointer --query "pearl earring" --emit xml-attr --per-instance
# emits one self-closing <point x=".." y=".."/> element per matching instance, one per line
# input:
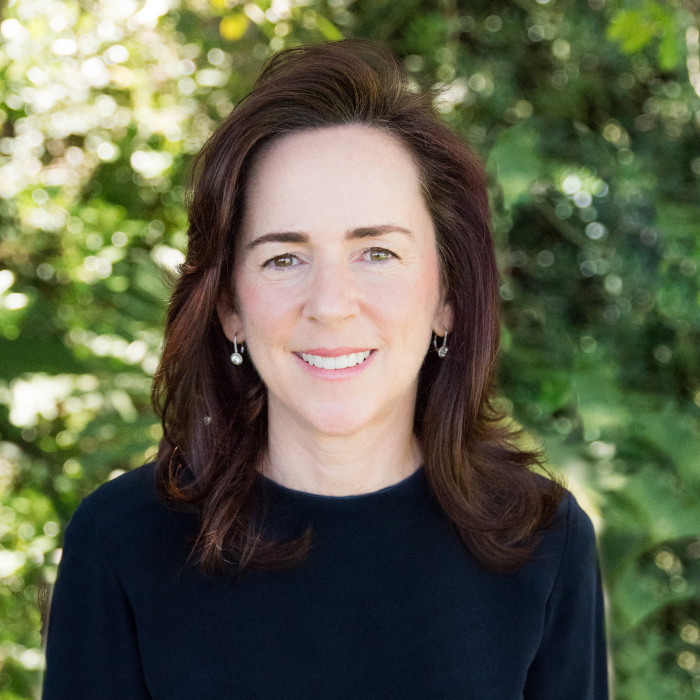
<point x="236" y="355"/>
<point x="442" y="350"/>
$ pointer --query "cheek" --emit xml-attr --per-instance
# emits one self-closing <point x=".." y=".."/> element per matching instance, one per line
<point x="415" y="294"/>
<point x="265" y="311"/>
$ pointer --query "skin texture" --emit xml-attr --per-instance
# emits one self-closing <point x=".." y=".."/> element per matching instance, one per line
<point x="332" y="285"/>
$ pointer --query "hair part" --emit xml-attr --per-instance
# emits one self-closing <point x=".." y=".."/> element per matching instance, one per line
<point x="215" y="416"/>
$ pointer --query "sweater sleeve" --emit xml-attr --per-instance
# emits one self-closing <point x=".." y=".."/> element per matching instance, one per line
<point x="91" y="648"/>
<point x="571" y="661"/>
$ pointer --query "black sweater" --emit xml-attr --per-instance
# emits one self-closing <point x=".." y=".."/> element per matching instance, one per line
<point x="387" y="606"/>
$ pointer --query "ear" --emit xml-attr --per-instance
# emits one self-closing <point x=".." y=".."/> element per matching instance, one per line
<point x="231" y="322"/>
<point x="444" y="319"/>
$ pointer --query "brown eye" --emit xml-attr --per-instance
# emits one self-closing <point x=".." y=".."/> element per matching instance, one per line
<point x="379" y="255"/>
<point x="283" y="261"/>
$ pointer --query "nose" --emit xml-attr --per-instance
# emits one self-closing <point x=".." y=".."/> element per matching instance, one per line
<point x="332" y="296"/>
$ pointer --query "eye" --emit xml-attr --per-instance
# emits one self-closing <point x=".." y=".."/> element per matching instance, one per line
<point x="380" y="255"/>
<point x="281" y="261"/>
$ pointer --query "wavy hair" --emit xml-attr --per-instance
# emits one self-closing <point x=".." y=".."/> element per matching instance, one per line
<point x="214" y="415"/>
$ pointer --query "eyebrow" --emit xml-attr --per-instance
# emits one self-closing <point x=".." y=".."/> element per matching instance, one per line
<point x="350" y="235"/>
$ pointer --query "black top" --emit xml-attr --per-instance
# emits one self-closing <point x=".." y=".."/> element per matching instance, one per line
<point x="388" y="606"/>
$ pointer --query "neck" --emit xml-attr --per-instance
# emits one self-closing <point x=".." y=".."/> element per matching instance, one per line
<point x="376" y="456"/>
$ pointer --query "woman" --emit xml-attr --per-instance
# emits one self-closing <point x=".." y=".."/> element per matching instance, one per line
<point x="336" y="509"/>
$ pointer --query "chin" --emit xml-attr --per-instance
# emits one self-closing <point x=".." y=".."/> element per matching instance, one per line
<point x="337" y="420"/>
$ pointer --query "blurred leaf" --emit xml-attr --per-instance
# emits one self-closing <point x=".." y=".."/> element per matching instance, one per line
<point x="515" y="162"/>
<point x="29" y="355"/>
<point x="233" y="27"/>
<point x="328" y="29"/>
<point x="634" y="29"/>
<point x="668" y="51"/>
<point x="641" y="596"/>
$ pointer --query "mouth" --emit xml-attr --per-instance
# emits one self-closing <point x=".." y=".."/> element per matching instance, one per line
<point x="325" y="361"/>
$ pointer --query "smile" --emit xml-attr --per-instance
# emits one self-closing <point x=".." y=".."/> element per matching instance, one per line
<point x="339" y="362"/>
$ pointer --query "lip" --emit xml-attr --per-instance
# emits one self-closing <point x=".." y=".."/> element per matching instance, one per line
<point x="333" y="352"/>
<point x="331" y="375"/>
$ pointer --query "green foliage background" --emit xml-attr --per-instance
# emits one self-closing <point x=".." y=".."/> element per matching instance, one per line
<point x="589" y="118"/>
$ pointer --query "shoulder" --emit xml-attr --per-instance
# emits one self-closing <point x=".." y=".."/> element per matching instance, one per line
<point x="126" y="518"/>
<point x="134" y="483"/>
<point x="580" y="556"/>
<point x="568" y="530"/>
<point x="126" y="498"/>
<point x="575" y="522"/>
<point x="569" y="519"/>
<point x="569" y="541"/>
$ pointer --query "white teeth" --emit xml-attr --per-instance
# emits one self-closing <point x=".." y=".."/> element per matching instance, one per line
<point x="340" y="362"/>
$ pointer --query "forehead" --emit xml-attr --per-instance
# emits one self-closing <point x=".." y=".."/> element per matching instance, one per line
<point x="346" y="175"/>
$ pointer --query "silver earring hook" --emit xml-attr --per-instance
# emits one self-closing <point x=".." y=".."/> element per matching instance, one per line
<point x="237" y="355"/>
<point x="442" y="350"/>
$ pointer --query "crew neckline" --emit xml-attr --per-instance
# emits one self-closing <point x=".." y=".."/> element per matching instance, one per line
<point x="351" y="498"/>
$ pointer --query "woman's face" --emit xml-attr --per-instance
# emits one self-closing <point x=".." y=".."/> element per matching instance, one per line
<point x="337" y="279"/>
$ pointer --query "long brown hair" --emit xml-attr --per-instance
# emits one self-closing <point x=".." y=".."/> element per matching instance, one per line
<point x="215" y="415"/>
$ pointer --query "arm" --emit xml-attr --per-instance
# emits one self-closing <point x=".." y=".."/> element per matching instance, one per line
<point x="92" y="649"/>
<point x="571" y="660"/>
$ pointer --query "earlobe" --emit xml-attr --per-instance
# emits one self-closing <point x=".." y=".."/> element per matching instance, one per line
<point x="444" y="320"/>
<point x="231" y="322"/>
